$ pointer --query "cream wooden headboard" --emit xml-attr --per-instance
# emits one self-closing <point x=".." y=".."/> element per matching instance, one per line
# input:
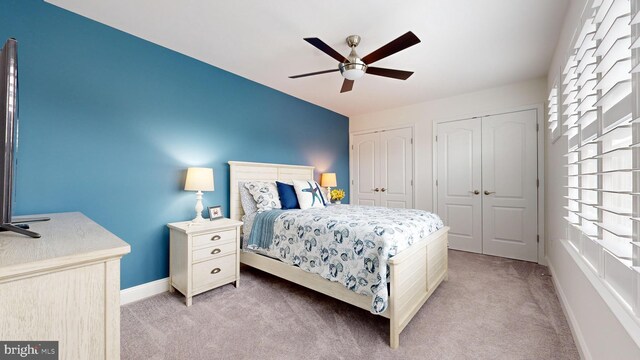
<point x="249" y="171"/>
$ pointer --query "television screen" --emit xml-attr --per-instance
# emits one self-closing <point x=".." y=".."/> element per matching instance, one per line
<point x="8" y="124"/>
<point x="9" y="110"/>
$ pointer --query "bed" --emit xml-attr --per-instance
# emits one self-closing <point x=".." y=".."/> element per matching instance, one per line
<point x="414" y="273"/>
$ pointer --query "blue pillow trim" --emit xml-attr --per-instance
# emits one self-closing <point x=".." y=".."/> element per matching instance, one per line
<point x="324" y="202"/>
<point x="288" y="196"/>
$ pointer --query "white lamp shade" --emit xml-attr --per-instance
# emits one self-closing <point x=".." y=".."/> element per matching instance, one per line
<point x="328" y="179"/>
<point x="199" y="179"/>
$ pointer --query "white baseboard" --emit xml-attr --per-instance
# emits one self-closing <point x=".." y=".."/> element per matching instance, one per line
<point x="568" y="313"/>
<point x="143" y="291"/>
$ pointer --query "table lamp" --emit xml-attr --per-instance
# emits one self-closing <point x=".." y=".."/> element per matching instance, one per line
<point x="328" y="180"/>
<point x="199" y="179"/>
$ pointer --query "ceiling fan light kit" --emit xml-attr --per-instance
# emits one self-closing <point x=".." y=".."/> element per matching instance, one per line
<point x="352" y="71"/>
<point x="353" y="67"/>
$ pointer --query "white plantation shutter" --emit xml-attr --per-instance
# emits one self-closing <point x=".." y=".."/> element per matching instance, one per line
<point x="599" y="104"/>
<point x="570" y="103"/>
<point x="635" y="145"/>
<point x="552" y="112"/>
<point x="570" y="117"/>
<point x="587" y="79"/>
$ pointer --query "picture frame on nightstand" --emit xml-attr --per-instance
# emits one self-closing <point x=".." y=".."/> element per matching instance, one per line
<point x="215" y="212"/>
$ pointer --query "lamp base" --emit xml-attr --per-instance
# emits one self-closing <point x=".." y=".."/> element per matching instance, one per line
<point x="197" y="219"/>
<point x="199" y="207"/>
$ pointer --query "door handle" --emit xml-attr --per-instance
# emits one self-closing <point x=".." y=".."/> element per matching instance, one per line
<point x="489" y="192"/>
<point x="383" y="189"/>
<point x="376" y="190"/>
<point x="475" y="192"/>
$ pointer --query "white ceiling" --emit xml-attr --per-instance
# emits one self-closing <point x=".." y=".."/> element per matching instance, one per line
<point x="467" y="45"/>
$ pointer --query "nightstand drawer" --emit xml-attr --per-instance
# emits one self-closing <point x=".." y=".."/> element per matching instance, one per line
<point x="213" y="238"/>
<point x="218" y="250"/>
<point x="215" y="270"/>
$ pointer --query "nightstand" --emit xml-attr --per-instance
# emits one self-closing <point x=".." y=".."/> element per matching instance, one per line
<point x="203" y="256"/>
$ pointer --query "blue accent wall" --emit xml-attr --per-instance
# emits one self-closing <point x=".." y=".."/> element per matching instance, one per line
<point x="109" y="123"/>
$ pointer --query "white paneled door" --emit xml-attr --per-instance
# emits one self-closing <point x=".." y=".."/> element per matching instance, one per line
<point x="383" y="168"/>
<point x="487" y="184"/>
<point x="366" y="166"/>
<point x="396" y="168"/>
<point x="460" y="182"/>
<point x="509" y="180"/>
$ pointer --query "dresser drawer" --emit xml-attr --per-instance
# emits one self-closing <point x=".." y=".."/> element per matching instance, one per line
<point x="213" y="238"/>
<point x="214" y="270"/>
<point x="218" y="250"/>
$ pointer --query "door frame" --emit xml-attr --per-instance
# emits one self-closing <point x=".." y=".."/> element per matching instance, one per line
<point x="540" y="120"/>
<point x="377" y="130"/>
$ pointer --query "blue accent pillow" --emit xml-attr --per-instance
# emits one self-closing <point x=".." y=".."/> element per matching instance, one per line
<point x="288" y="196"/>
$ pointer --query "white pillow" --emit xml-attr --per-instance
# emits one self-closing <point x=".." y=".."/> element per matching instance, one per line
<point x="265" y="194"/>
<point x="246" y="199"/>
<point x="309" y="194"/>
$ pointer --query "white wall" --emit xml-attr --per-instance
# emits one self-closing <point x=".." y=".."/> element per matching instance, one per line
<point x="595" y="318"/>
<point x="423" y="115"/>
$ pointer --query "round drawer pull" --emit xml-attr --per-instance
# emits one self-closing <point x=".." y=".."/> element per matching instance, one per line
<point x="215" y="237"/>
<point x="215" y="251"/>
<point x="215" y="271"/>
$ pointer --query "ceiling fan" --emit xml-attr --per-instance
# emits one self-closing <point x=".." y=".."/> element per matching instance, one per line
<point x="353" y="67"/>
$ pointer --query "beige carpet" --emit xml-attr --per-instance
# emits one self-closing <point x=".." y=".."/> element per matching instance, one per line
<point x="491" y="308"/>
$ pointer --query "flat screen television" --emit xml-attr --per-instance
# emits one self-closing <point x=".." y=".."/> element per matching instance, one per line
<point x="8" y="140"/>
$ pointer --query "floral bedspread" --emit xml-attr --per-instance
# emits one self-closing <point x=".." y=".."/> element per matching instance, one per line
<point x="345" y="243"/>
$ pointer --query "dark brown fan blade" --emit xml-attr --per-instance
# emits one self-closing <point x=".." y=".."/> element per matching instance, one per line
<point x="399" y="44"/>
<point x="347" y="85"/>
<point x="326" y="49"/>
<point x="313" y="73"/>
<point x="392" y="73"/>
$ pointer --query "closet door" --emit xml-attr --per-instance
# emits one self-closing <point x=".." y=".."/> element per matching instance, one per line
<point x="460" y="181"/>
<point x="509" y="174"/>
<point x="396" y="168"/>
<point x="366" y="169"/>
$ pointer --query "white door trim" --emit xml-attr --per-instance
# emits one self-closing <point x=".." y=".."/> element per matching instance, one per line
<point x="375" y="130"/>
<point x="385" y="128"/>
<point x="541" y="126"/>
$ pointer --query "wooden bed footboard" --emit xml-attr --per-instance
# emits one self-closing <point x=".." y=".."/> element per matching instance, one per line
<point x="415" y="274"/>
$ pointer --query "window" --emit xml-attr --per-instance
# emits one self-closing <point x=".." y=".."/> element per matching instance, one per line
<point x="598" y="104"/>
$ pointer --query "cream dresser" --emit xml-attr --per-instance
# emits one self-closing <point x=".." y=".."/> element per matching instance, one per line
<point x="204" y="256"/>
<point x="64" y="286"/>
